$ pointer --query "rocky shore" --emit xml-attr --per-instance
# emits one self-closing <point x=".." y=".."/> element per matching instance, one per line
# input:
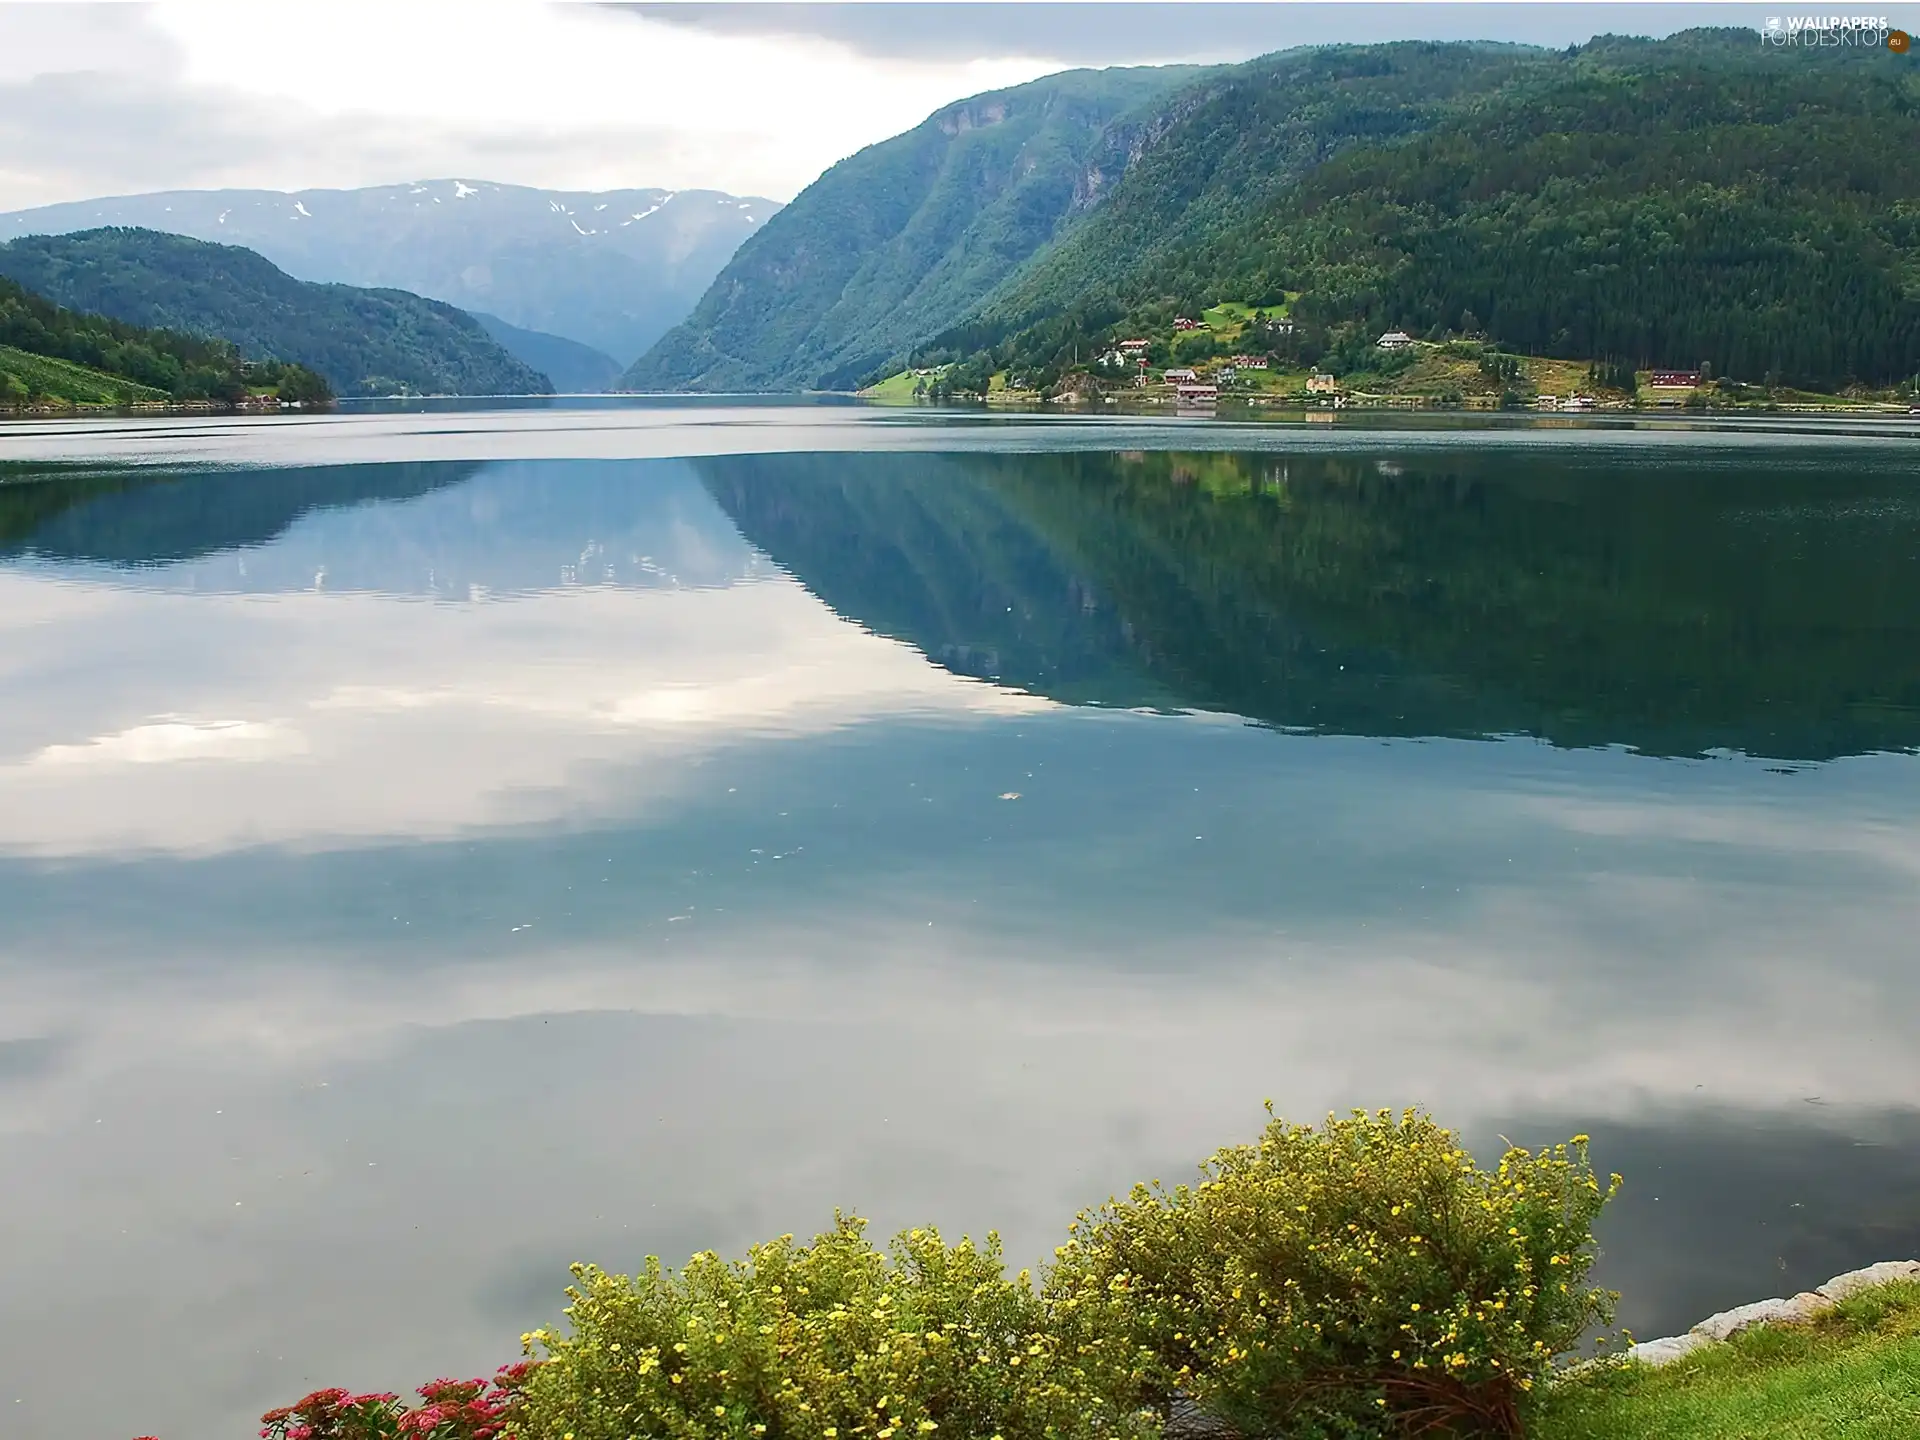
<point x="1797" y="1310"/>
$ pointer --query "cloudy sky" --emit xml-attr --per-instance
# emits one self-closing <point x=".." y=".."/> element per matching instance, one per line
<point x="118" y="98"/>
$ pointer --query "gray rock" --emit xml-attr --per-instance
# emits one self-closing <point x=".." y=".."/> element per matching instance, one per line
<point x="1666" y="1351"/>
<point x="1729" y="1323"/>
<point x="1841" y="1286"/>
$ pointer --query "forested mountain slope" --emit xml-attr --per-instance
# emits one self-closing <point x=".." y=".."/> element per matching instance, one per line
<point x="1240" y="140"/>
<point x="1698" y="199"/>
<point x="574" y="369"/>
<point x="52" y="354"/>
<point x="365" y="342"/>
<point x="901" y="240"/>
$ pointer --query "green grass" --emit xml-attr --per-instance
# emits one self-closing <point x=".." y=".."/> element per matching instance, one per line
<point x="1855" y="1375"/>
<point x="1230" y="315"/>
<point x="897" y="387"/>
<point x="64" y="380"/>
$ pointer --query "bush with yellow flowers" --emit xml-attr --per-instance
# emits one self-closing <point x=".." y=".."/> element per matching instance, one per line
<point x="833" y="1340"/>
<point x="1365" y="1277"/>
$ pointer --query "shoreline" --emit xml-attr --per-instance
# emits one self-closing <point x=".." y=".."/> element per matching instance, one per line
<point x="76" y="411"/>
<point x="1799" y="1309"/>
<point x="1252" y="407"/>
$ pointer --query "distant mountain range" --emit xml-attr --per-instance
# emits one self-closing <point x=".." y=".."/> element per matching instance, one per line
<point x="1695" y="200"/>
<point x="612" y="269"/>
<point x="364" y="342"/>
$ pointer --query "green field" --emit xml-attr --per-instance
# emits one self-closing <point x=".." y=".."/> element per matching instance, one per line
<point x="63" y="380"/>
<point x="1854" y="1375"/>
<point x="898" y="387"/>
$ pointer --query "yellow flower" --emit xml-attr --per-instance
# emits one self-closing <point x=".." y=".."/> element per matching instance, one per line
<point x="719" y="1409"/>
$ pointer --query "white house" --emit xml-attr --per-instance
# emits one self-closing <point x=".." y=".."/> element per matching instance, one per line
<point x="1394" y="340"/>
<point x="1181" y="377"/>
<point x="1319" y="384"/>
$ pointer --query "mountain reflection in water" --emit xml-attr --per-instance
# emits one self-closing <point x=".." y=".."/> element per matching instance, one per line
<point x="1673" y="608"/>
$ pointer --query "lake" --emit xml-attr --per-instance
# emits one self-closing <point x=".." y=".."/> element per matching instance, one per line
<point x="442" y="843"/>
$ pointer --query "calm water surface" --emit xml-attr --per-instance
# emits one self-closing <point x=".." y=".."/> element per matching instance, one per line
<point x="438" y="847"/>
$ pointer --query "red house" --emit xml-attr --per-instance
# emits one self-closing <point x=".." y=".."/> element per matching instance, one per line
<point x="1679" y="379"/>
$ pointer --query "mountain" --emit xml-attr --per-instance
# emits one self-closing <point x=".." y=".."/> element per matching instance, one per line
<point x="899" y="241"/>
<point x="574" y="369"/>
<point x="52" y="354"/>
<point x="365" y="342"/>
<point x="1667" y="203"/>
<point x="1633" y="203"/>
<point x="612" y="269"/>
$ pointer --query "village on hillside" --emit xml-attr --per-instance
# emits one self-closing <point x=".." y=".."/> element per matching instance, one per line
<point x="1237" y="355"/>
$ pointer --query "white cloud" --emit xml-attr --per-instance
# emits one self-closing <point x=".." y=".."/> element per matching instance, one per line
<point x="120" y="98"/>
<point x="165" y="741"/>
<point x="338" y="719"/>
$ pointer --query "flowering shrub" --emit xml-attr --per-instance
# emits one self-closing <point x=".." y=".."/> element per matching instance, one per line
<point x="1361" y="1278"/>
<point x="449" y="1410"/>
<point x="334" y="1414"/>
<point x="828" y="1341"/>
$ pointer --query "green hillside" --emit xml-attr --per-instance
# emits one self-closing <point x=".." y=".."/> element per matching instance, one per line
<point x="25" y="377"/>
<point x="901" y="240"/>
<point x="49" y="354"/>
<point x="1663" y="203"/>
<point x="1233" y="145"/>
<point x="365" y="342"/>
<point x="1628" y="204"/>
